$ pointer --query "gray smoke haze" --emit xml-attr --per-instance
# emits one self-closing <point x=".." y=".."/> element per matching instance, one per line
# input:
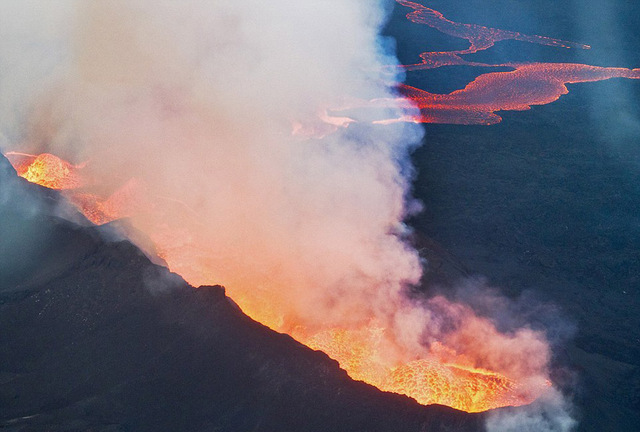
<point x="189" y="109"/>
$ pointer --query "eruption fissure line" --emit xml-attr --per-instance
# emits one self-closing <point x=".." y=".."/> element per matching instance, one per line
<point x="358" y="350"/>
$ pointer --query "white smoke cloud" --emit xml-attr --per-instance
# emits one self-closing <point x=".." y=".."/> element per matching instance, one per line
<point x="33" y="44"/>
<point x="198" y="102"/>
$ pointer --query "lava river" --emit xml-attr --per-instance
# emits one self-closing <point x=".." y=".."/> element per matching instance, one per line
<point x="527" y="84"/>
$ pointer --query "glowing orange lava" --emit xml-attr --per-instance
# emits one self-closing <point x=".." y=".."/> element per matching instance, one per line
<point x="54" y="173"/>
<point x="480" y="38"/>
<point x="46" y="170"/>
<point x="428" y="380"/>
<point x="529" y="84"/>
<point x="361" y="350"/>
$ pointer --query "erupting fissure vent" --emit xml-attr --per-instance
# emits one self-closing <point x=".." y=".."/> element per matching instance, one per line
<point x="360" y="351"/>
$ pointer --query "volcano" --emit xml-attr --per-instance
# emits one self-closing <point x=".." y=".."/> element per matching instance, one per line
<point x="250" y="147"/>
<point x="97" y="337"/>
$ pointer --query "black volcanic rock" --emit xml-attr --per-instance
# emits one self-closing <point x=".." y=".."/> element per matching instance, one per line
<point x="94" y="336"/>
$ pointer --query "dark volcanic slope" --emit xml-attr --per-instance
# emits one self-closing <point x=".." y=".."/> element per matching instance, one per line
<point x="96" y="337"/>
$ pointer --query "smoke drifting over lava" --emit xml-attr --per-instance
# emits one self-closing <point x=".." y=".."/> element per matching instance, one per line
<point x="195" y="104"/>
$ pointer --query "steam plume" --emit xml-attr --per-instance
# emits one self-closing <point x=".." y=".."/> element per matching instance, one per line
<point x="198" y="103"/>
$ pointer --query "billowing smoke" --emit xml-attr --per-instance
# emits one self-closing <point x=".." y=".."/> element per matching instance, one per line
<point x="198" y="104"/>
<point x="206" y="123"/>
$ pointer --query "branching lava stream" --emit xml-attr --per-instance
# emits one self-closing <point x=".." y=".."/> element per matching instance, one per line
<point x="526" y="85"/>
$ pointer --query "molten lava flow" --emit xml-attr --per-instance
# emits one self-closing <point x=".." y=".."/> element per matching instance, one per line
<point x="308" y="239"/>
<point x="471" y="390"/>
<point x="428" y="380"/>
<point x="446" y="371"/>
<point x="526" y="85"/>
<point x="362" y="350"/>
<point x="480" y="38"/>
<point x="529" y="84"/>
<point x="54" y="173"/>
<point x="126" y="201"/>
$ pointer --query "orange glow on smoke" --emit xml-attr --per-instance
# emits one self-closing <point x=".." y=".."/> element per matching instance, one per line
<point x="360" y="350"/>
